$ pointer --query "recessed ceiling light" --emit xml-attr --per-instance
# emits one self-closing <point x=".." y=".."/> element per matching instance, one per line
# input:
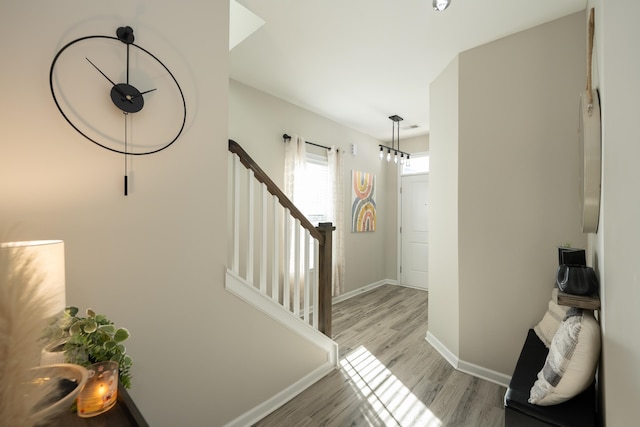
<point x="441" y="5"/>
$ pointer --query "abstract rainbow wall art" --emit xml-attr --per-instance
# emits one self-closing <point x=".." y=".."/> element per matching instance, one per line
<point x="363" y="210"/>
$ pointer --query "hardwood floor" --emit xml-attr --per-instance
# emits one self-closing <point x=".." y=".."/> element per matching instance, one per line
<point x="389" y="375"/>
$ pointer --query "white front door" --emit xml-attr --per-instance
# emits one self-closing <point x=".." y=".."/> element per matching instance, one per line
<point x="414" y="264"/>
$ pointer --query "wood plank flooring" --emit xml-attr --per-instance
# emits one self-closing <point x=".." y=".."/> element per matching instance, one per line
<point x="389" y="375"/>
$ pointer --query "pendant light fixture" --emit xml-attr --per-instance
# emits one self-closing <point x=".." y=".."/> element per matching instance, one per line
<point x="394" y="151"/>
<point x="441" y="5"/>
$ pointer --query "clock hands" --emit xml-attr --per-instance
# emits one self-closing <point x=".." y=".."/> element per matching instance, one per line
<point x="124" y="96"/>
<point x="146" y="91"/>
<point x="128" y="99"/>
<point x="105" y="76"/>
<point x="100" y="71"/>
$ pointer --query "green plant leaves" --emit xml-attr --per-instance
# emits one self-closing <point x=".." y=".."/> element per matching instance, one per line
<point x="107" y="329"/>
<point x="121" y="335"/>
<point x="75" y="329"/>
<point x="90" y="327"/>
<point x="71" y="311"/>
<point x="92" y="339"/>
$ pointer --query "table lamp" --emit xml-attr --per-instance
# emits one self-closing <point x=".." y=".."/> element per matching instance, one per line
<point x="47" y="263"/>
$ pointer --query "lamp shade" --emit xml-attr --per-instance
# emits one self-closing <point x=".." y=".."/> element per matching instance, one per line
<point x="48" y="264"/>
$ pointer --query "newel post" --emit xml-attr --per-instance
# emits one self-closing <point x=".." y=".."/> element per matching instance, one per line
<point x="325" y="278"/>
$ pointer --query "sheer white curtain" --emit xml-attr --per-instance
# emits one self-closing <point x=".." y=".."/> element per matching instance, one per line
<point x="295" y="165"/>
<point x="295" y="161"/>
<point x="334" y="157"/>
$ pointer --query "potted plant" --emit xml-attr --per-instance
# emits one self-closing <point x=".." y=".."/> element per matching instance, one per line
<point x="91" y="339"/>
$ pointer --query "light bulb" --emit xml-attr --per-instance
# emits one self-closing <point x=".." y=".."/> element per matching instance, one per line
<point x="408" y="162"/>
<point x="381" y="153"/>
<point x="441" y="5"/>
<point x="388" y="155"/>
<point x="402" y="159"/>
<point x="395" y="158"/>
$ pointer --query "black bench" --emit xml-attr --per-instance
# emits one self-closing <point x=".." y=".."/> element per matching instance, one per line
<point x="518" y="412"/>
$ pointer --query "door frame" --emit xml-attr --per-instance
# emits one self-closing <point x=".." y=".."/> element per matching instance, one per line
<point x="399" y="216"/>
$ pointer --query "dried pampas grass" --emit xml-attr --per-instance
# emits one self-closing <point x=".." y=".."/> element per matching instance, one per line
<point x="21" y="326"/>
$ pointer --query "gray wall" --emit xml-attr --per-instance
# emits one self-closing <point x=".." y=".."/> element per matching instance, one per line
<point x="516" y="194"/>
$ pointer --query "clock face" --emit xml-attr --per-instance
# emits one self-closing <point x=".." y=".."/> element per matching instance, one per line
<point x="117" y="95"/>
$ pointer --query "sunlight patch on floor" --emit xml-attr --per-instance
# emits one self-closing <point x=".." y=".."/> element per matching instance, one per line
<point x="390" y="400"/>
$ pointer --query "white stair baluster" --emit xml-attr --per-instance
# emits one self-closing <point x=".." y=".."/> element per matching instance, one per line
<point x="307" y="274"/>
<point x="250" y="230"/>
<point x="316" y="291"/>
<point x="263" y="236"/>
<point x="235" y="263"/>
<point x="275" y="272"/>
<point x="286" y="291"/>
<point x="296" y="270"/>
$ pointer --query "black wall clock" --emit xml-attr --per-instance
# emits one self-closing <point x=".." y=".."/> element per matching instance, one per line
<point x="118" y="95"/>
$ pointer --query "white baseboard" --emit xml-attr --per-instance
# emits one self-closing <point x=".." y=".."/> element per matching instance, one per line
<point x="239" y="288"/>
<point x="361" y="290"/>
<point x="268" y="406"/>
<point x="466" y="367"/>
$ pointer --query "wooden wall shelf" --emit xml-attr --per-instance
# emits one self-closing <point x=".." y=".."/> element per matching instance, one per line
<point x="579" y="301"/>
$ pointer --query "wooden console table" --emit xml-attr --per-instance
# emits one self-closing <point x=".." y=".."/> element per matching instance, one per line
<point x="124" y="414"/>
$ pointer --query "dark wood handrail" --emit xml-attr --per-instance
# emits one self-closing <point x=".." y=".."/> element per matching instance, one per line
<point x="262" y="177"/>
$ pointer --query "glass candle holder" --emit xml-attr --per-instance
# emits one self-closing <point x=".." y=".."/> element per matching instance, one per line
<point x="100" y="392"/>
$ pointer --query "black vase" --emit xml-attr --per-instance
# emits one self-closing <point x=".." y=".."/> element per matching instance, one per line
<point x="577" y="280"/>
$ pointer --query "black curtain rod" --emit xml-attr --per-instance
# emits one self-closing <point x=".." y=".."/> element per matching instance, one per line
<point x="285" y="137"/>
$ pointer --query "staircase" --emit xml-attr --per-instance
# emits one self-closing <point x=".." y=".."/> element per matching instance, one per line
<point x="278" y="261"/>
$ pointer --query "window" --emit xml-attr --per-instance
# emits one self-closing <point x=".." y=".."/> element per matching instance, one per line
<point x="419" y="164"/>
<point x="313" y="195"/>
<point x="312" y="190"/>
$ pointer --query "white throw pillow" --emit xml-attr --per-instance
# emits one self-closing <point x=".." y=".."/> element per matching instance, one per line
<point x="571" y="363"/>
<point x="546" y="329"/>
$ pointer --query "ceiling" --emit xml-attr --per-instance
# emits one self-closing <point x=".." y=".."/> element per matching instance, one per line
<point x="357" y="62"/>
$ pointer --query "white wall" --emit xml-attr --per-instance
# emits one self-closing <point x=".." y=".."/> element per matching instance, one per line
<point x="616" y="245"/>
<point x="444" y="312"/>
<point x="516" y="192"/>
<point x="153" y="261"/>
<point x="414" y="144"/>
<point x="518" y="182"/>
<point x="258" y="120"/>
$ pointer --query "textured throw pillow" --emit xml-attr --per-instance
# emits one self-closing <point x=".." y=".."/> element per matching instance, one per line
<point x="571" y="363"/>
<point x="546" y="329"/>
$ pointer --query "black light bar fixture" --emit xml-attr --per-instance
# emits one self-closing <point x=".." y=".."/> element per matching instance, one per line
<point x="394" y="151"/>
